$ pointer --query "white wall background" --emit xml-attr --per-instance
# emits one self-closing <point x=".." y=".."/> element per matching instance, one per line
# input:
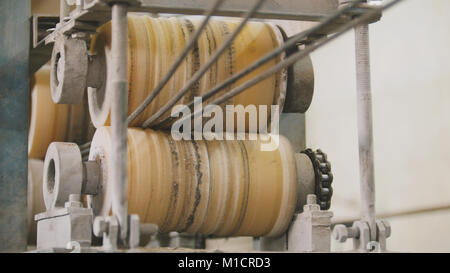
<point x="410" y="55"/>
<point x="411" y="108"/>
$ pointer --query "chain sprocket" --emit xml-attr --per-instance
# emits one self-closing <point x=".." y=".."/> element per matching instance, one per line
<point x="323" y="177"/>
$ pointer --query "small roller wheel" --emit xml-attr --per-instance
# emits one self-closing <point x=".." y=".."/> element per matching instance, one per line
<point x="69" y="68"/>
<point x="63" y="173"/>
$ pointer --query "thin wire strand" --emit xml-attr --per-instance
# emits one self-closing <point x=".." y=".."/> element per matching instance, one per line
<point x="176" y="64"/>
<point x="209" y="13"/>
<point x="292" y="41"/>
<point x="205" y="68"/>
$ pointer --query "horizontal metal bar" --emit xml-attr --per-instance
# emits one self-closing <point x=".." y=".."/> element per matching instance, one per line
<point x="197" y="76"/>
<point x="302" y="10"/>
<point x="211" y="11"/>
<point x="368" y="16"/>
<point x="97" y="12"/>
<point x="288" y="44"/>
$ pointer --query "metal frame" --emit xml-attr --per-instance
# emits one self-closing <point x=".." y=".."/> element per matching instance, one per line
<point x="88" y="15"/>
<point x="93" y="13"/>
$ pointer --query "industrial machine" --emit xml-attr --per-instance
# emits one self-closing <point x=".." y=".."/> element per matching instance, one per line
<point x="119" y="70"/>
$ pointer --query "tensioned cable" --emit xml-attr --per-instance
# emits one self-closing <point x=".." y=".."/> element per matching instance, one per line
<point x="209" y="13"/>
<point x="205" y="68"/>
<point x="292" y="41"/>
<point x="176" y="64"/>
<point x="294" y="57"/>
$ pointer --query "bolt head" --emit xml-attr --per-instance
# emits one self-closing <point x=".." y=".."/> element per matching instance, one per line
<point x="340" y="233"/>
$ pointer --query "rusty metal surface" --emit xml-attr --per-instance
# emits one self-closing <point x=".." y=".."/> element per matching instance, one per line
<point x="14" y="108"/>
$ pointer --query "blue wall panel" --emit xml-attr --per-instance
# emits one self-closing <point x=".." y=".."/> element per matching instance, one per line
<point x="14" y="109"/>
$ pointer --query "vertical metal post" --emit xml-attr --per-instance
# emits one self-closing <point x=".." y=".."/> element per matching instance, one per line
<point x="119" y="114"/>
<point x="365" y="131"/>
<point x="14" y="110"/>
<point x="64" y="10"/>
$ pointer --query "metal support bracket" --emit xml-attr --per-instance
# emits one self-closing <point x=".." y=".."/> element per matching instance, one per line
<point x="360" y="233"/>
<point x="310" y="230"/>
<point x="63" y="227"/>
<point x="138" y="234"/>
<point x="94" y="13"/>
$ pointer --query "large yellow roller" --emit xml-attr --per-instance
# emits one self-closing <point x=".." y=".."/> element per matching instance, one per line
<point x="154" y="44"/>
<point x="48" y="121"/>
<point x="35" y="199"/>
<point x="54" y="122"/>
<point x="225" y="188"/>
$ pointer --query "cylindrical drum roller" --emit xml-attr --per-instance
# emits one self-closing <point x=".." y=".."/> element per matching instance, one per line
<point x="54" y="122"/>
<point x="35" y="199"/>
<point x="63" y="174"/>
<point x="155" y="43"/>
<point x="225" y="188"/>
<point x="48" y="121"/>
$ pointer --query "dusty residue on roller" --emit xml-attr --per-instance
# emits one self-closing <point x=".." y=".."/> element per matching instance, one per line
<point x="198" y="194"/>
<point x="175" y="182"/>
<point x="209" y="33"/>
<point x="243" y="211"/>
<point x="195" y="62"/>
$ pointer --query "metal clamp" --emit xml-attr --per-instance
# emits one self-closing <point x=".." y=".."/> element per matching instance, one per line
<point x="138" y="234"/>
<point x="360" y="233"/>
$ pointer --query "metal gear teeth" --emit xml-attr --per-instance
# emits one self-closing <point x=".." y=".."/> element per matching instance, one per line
<point x="323" y="177"/>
